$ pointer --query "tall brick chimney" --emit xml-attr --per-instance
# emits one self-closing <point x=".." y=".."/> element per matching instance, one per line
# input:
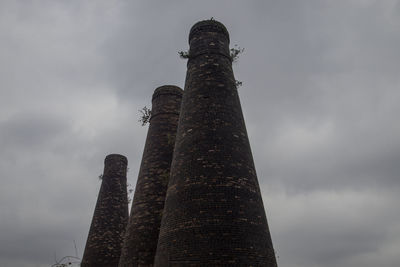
<point x="213" y="213"/>
<point x="141" y="238"/>
<point x="103" y="245"/>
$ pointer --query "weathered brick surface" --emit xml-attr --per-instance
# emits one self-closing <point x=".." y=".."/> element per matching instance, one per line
<point x="103" y="246"/>
<point x="213" y="213"/>
<point x="144" y="224"/>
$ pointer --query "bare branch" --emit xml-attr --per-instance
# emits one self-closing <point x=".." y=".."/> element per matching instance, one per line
<point x="145" y="115"/>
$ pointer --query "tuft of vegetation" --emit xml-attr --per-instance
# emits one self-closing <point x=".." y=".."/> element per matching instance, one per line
<point x="238" y="83"/>
<point x="145" y="115"/>
<point x="235" y="52"/>
<point x="183" y="54"/>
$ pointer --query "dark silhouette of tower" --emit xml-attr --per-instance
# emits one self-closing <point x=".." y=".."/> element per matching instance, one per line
<point x="103" y="246"/>
<point x="141" y="237"/>
<point x="213" y="213"/>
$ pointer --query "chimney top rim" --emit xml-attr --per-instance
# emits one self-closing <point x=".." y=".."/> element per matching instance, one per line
<point x="116" y="157"/>
<point x="210" y="24"/>
<point x="167" y="89"/>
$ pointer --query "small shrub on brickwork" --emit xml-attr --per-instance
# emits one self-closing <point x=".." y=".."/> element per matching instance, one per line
<point x="145" y="115"/>
<point x="183" y="54"/>
<point x="235" y="52"/>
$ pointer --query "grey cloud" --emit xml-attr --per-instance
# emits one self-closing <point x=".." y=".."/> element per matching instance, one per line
<point x="328" y="71"/>
<point x="332" y="228"/>
<point x="26" y="130"/>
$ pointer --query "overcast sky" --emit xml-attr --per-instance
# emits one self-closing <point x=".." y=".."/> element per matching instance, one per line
<point x="320" y="97"/>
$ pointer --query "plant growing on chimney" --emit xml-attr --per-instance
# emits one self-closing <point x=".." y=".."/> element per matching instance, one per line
<point x="145" y="115"/>
<point x="235" y="52"/>
<point x="184" y="54"/>
<point x="238" y="83"/>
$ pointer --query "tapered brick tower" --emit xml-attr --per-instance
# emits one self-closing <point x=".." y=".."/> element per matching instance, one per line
<point x="103" y="246"/>
<point x="141" y="238"/>
<point x="213" y="214"/>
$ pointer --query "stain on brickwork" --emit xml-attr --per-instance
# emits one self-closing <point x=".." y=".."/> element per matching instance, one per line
<point x="103" y="246"/>
<point x="213" y="213"/>
<point x="144" y="224"/>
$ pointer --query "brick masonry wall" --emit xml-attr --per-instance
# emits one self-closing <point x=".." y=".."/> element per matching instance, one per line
<point x="103" y="246"/>
<point x="144" y="224"/>
<point x="213" y="213"/>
